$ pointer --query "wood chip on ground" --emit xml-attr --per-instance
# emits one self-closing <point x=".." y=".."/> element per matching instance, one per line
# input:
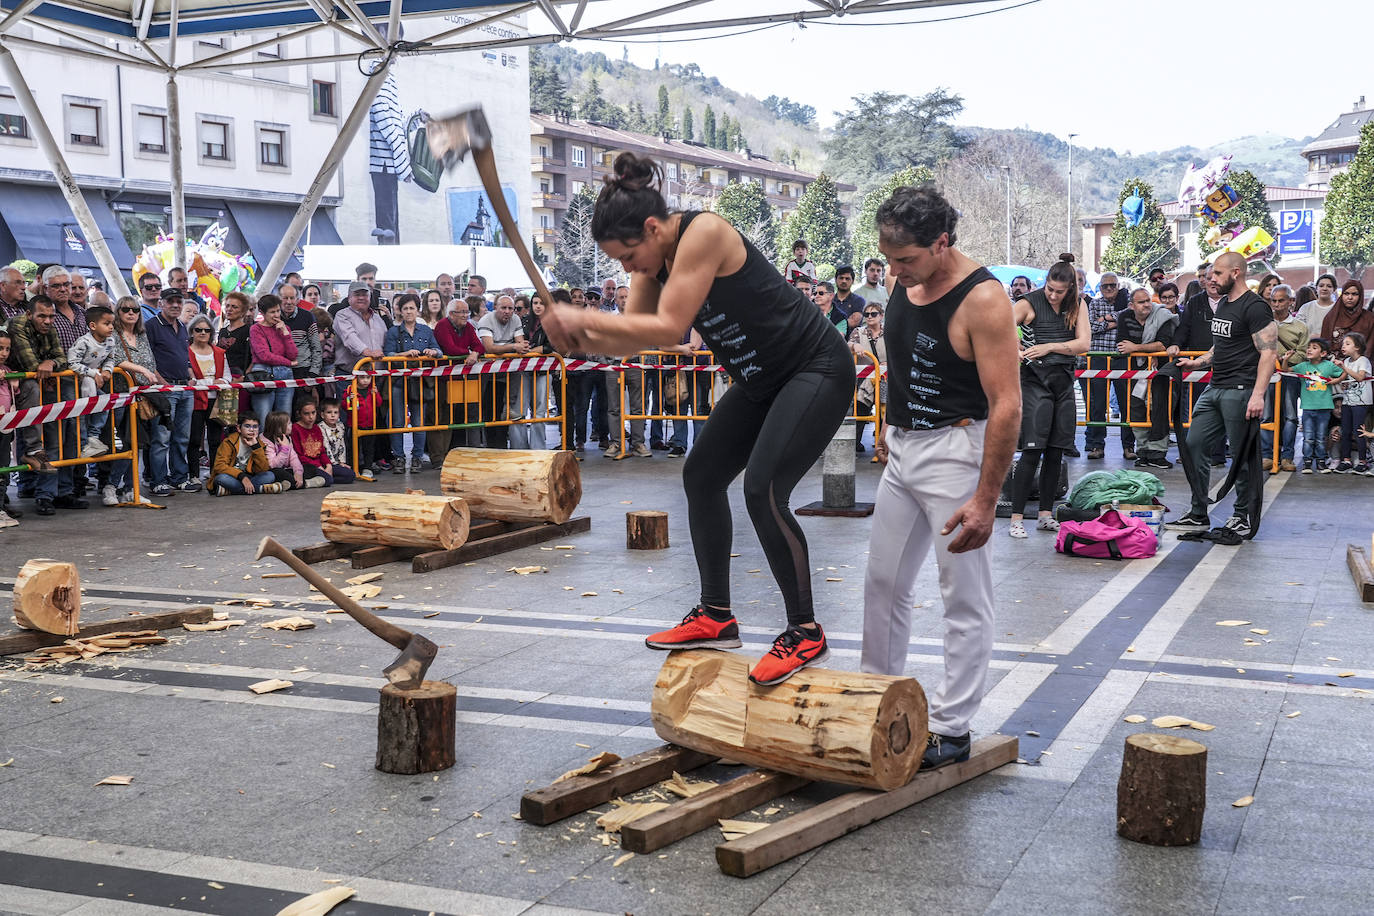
<point x="683" y="787"/>
<point x="270" y="685"/>
<point x="599" y="762"/>
<point x="364" y="578"/>
<point x="213" y="625"/>
<point x="116" y="781"/>
<point x="625" y="812"/>
<point x="290" y="623"/>
<point x="733" y="829"/>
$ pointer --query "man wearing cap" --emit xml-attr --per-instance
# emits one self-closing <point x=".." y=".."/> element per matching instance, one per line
<point x="172" y="434"/>
<point x="358" y="330"/>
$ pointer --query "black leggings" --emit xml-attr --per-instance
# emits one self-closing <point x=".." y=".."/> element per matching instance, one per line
<point x="1050" y="461"/>
<point x="774" y="443"/>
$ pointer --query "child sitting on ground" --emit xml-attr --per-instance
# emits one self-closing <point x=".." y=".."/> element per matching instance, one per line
<point x="281" y="455"/>
<point x="1317" y="372"/>
<point x="308" y="441"/>
<point x="364" y="394"/>
<point x="335" y="436"/>
<point x="91" y="358"/>
<point x="240" y="466"/>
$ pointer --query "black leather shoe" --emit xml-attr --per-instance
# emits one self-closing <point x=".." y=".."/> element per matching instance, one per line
<point x="70" y="502"/>
<point x="44" y="507"/>
<point x="942" y="750"/>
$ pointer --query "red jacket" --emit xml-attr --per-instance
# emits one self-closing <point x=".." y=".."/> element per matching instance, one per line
<point x="458" y="341"/>
<point x="368" y="404"/>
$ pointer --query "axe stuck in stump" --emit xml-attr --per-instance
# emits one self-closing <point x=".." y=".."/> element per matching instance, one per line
<point x="416" y="718"/>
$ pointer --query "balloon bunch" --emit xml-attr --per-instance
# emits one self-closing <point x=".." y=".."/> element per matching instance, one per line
<point x="213" y="271"/>
<point x="1207" y="190"/>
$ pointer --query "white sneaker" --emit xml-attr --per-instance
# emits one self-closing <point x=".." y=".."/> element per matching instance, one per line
<point x="94" y="449"/>
<point x="1046" y="523"/>
<point x="1017" y="530"/>
<point x="108" y="496"/>
<point x="6" y="520"/>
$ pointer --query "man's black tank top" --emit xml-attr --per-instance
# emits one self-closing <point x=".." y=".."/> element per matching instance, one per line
<point x="761" y="328"/>
<point x="930" y="385"/>
<point x="1049" y="326"/>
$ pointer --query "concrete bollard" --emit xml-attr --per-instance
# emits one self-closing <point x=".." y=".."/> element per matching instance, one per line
<point x="837" y="469"/>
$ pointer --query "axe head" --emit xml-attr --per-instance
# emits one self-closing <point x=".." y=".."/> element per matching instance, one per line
<point x="453" y="136"/>
<point x="408" y="670"/>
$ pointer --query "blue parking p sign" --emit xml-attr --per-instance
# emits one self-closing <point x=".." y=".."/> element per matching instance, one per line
<point x="1295" y="231"/>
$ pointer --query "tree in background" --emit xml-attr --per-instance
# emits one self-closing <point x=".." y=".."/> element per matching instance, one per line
<point x="1134" y="251"/>
<point x="577" y="259"/>
<point x="887" y="131"/>
<point x="708" y="127"/>
<point x="744" y="205"/>
<point x="864" y="233"/>
<point x="1347" y="230"/>
<point x="1253" y="209"/>
<point x="663" y="122"/>
<point x="594" y="107"/>
<point x="548" y="93"/>
<point x="976" y="182"/>
<point x="788" y="110"/>
<point x="723" y="132"/>
<point x="688" y="128"/>
<point x="818" y="219"/>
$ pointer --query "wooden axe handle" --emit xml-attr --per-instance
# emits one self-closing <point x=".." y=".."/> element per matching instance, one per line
<point x="485" y="160"/>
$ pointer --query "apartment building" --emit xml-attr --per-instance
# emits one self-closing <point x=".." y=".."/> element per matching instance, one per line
<point x="1331" y="151"/>
<point x="567" y="155"/>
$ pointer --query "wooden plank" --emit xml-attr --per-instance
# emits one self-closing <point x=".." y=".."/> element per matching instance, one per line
<point x="846" y="813"/>
<point x="318" y="553"/>
<point x="523" y="536"/>
<point x="1360" y="571"/>
<point x="368" y="557"/>
<point x="684" y="818"/>
<point x="582" y="793"/>
<point x="28" y="640"/>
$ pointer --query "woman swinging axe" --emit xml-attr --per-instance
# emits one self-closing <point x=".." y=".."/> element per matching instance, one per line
<point x="793" y="384"/>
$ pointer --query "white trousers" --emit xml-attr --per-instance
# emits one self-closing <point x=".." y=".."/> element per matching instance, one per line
<point x="929" y="475"/>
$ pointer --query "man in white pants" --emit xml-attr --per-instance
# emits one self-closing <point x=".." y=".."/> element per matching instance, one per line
<point x="954" y="411"/>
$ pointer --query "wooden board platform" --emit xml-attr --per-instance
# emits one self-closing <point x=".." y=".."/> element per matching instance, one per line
<point x="846" y="813"/>
<point x="582" y="793"/>
<point x="486" y="538"/>
<point x="1360" y="571"/>
<point x="684" y="818"/>
<point x="13" y="642"/>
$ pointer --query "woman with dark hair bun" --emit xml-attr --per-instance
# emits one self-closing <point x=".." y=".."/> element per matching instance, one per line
<point x="793" y="384"/>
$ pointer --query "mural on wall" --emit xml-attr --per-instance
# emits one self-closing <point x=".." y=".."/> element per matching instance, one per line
<point x="471" y="220"/>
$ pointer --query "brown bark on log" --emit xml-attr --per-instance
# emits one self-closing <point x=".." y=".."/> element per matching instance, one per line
<point x="1162" y="791"/>
<point x="395" y="519"/>
<point x="646" y="530"/>
<point x="866" y="730"/>
<point x="514" y="485"/>
<point x="47" y="597"/>
<point x="416" y="729"/>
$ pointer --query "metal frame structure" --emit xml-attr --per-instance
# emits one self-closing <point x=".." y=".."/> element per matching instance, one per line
<point x="144" y="33"/>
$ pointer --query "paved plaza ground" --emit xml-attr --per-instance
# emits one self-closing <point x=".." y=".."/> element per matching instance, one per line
<point x="241" y="803"/>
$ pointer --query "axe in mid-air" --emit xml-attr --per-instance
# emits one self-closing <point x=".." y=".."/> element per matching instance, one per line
<point x="451" y="138"/>
<point x="408" y="670"/>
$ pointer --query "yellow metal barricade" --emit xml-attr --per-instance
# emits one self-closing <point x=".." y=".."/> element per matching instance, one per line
<point x="406" y="403"/>
<point x="67" y="440"/>
<point x="684" y="393"/>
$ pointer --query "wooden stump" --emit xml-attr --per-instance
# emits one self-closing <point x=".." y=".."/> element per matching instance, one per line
<point x="514" y="485"/>
<point x="395" y="519"/>
<point x="416" y="729"/>
<point x="646" y="530"/>
<point x="47" y="597"/>
<point x="1162" y="791"/>
<point x="866" y="730"/>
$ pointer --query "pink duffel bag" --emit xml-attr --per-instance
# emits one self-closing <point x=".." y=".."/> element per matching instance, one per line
<point x="1110" y="536"/>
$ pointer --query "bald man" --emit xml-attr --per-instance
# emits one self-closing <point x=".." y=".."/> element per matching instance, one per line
<point x="1245" y="342"/>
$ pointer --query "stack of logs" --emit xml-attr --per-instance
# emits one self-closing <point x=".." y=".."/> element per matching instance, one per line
<point x="507" y="485"/>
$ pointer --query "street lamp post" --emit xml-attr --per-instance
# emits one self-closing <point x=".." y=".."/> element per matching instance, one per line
<point x="1007" y="170"/>
<point x="1068" y="229"/>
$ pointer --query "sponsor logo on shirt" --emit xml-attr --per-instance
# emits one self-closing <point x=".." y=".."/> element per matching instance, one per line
<point x="1221" y="327"/>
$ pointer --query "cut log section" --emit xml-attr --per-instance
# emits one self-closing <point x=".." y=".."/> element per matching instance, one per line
<point x="47" y="597"/>
<point x="1162" y="791"/>
<point x="866" y="730"/>
<point x="646" y="530"/>
<point x="514" y="485"/>
<point x="416" y="728"/>
<point x="395" y="519"/>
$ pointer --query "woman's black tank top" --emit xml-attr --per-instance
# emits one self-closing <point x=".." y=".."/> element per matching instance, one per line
<point x="761" y="328"/>
<point x="1049" y="326"/>
<point x="929" y="385"/>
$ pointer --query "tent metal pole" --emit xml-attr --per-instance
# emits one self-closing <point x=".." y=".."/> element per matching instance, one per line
<point x="178" y="188"/>
<point x="66" y="182"/>
<point x="328" y="167"/>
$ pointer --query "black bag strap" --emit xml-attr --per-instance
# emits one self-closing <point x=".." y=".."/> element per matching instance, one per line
<point x="1071" y="541"/>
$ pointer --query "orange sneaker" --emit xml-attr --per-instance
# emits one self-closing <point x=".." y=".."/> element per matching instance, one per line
<point x="792" y="651"/>
<point x="698" y="630"/>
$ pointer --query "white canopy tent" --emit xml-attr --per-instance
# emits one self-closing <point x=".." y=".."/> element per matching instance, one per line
<point x="417" y="263"/>
<point x="144" y="33"/>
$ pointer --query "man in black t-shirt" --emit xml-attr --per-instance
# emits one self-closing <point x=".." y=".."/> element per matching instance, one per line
<point x="1244" y="347"/>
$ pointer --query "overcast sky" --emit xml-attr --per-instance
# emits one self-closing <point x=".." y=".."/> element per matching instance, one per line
<point x="1126" y="74"/>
